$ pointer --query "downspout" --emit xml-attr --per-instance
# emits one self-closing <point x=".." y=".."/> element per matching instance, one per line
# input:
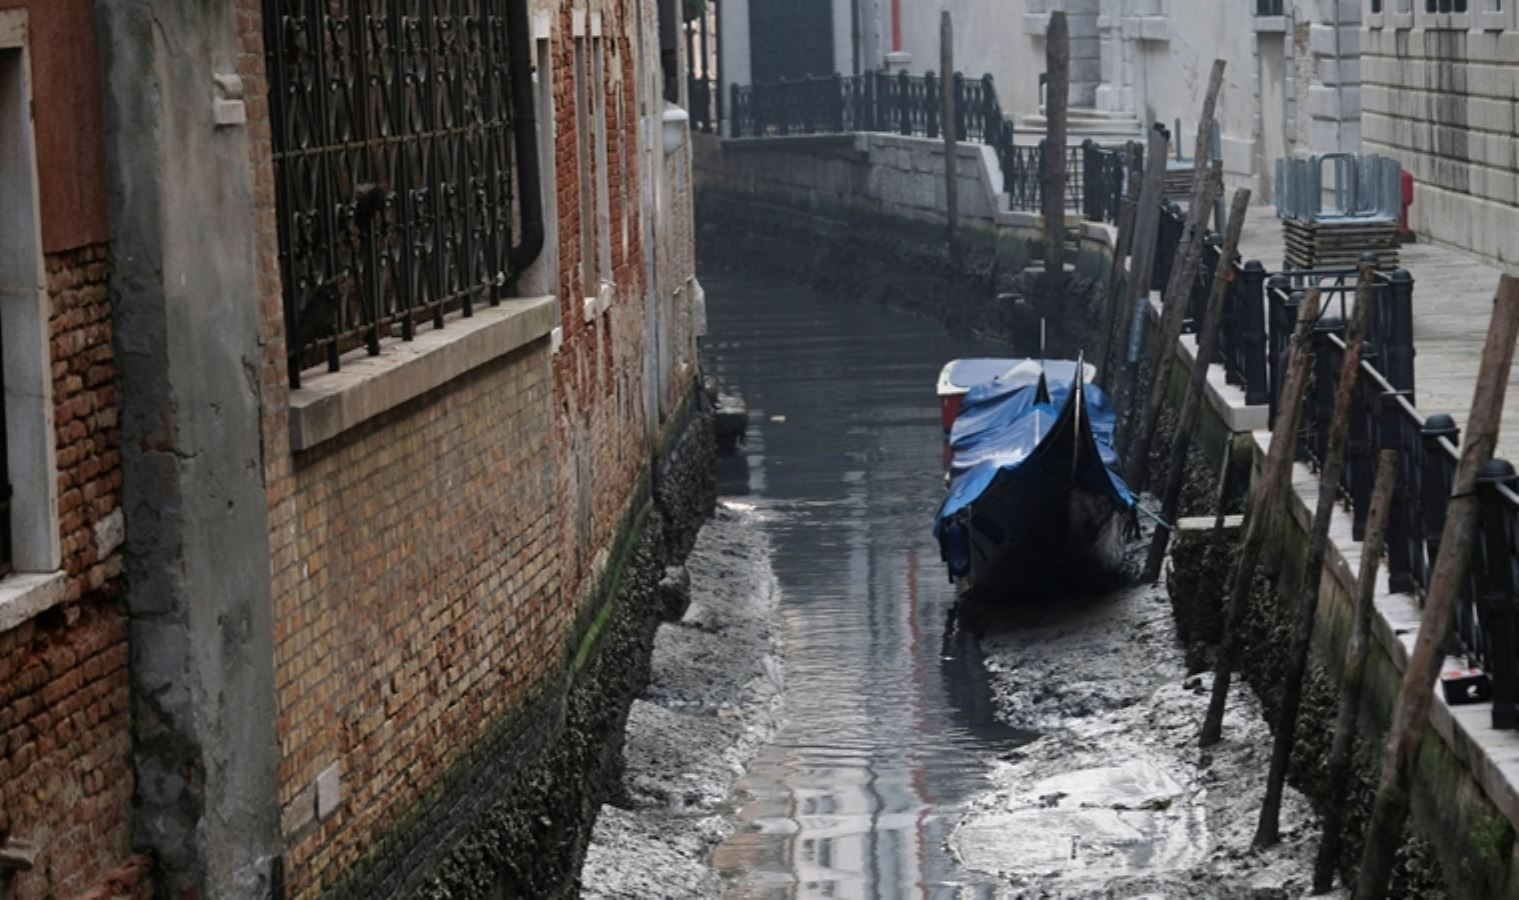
<point x="525" y="140"/>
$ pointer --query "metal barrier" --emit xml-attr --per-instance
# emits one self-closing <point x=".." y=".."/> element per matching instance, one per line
<point x="1383" y="416"/>
<point x="909" y="105"/>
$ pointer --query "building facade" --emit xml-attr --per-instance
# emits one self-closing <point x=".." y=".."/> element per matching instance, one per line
<point x="350" y="395"/>
<point x="1440" y="82"/>
<point x="1292" y="85"/>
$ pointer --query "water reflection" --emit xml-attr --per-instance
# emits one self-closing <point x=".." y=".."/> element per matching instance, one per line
<point x="888" y="718"/>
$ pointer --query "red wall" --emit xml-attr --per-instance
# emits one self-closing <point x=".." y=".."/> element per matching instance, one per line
<point x="66" y="104"/>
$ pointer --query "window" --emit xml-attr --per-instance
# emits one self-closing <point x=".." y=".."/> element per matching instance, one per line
<point x="1491" y="16"/>
<point x="29" y="540"/>
<point x="1268" y="7"/>
<point x="393" y="168"/>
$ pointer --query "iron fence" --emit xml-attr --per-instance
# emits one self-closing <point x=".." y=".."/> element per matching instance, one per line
<point x="393" y="166"/>
<point x="910" y="105"/>
<point x="1383" y="416"/>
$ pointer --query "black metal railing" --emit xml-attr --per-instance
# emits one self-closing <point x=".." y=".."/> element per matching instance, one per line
<point x="1383" y="416"/>
<point x="1389" y="325"/>
<point x="910" y="105"/>
<point x="392" y="135"/>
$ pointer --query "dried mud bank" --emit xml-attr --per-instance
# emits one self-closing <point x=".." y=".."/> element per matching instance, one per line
<point x="1115" y="799"/>
<point x="712" y="699"/>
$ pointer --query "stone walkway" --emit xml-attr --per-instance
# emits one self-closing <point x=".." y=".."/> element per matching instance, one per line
<point x="1453" y="297"/>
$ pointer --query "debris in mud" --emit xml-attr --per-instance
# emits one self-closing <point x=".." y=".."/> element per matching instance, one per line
<point x="1115" y="799"/>
<point x="712" y="700"/>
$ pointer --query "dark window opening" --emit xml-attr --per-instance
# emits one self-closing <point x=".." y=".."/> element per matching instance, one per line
<point x="1268" y="7"/>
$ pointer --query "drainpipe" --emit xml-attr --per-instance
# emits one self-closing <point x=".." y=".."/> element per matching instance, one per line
<point x="525" y="139"/>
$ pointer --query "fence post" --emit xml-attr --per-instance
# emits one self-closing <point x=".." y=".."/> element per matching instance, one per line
<point x="1434" y="482"/>
<point x="736" y="129"/>
<point x="1283" y="322"/>
<point x="1399" y="358"/>
<point x="1399" y="558"/>
<point x="837" y="96"/>
<point x="904" y="103"/>
<point x="991" y="113"/>
<point x="869" y="101"/>
<point x="1088" y="181"/>
<point x="1496" y="595"/>
<point x="782" y="102"/>
<point x="931" y="104"/>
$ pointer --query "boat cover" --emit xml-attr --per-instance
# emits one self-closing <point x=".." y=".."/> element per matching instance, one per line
<point x="1001" y="425"/>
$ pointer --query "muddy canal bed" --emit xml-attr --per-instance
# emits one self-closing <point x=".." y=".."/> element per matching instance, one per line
<point x="713" y="697"/>
<point x="902" y="746"/>
<point x="1114" y="799"/>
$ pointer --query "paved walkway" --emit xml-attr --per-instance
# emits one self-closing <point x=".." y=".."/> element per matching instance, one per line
<point x="1453" y="297"/>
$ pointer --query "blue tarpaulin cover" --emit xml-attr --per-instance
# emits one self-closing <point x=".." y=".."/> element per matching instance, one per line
<point x="1000" y="426"/>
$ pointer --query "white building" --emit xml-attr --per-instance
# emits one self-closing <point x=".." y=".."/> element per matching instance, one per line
<point x="1292" y="85"/>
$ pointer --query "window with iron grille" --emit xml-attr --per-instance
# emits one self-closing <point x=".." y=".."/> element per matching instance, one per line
<point x="392" y="134"/>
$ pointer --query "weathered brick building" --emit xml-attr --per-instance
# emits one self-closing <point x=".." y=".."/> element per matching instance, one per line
<point x="373" y="422"/>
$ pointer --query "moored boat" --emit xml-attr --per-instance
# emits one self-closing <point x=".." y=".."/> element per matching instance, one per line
<point x="1035" y="506"/>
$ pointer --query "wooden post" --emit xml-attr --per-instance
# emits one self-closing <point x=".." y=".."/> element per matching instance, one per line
<point x="1267" y="829"/>
<point x="1141" y="261"/>
<point x="1275" y="481"/>
<point x="1391" y="809"/>
<point x="1206" y="183"/>
<point x="1173" y="307"/>
<point x="1057" y="57"/>
<point x="951" y="133"/>
<point x="1110" y="311"/>
<point x="1355" y="672"/>
<point x="1207" y="348"/>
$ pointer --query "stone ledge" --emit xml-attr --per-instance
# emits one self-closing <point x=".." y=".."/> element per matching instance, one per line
<point x="1491" y="757"/>
<point x="23" y="596"/>
<point x="330" y="403"/>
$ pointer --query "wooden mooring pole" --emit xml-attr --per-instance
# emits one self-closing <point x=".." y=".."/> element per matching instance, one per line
<point x="1268" y="494"/>
<point x="1268" y="827"/>
<point x="1057" y="59"/>
<point x="951" y="131"/>
<point x="1207" y="348"/>
<point x="1356" y="654"/>
<point x="1207" y="181"/>
<point x="1385" y="831"/>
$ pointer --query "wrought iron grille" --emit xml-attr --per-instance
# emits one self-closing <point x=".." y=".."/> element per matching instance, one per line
<point x="393" y="166"/>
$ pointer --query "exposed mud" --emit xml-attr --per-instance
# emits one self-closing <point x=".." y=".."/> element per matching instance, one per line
<point x="1115" y="799"/>
<point x="712" y="699"/>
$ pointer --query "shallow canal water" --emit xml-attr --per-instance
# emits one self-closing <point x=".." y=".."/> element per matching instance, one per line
<point x="888" y="727"/>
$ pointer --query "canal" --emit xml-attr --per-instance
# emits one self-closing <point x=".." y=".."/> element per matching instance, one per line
<point x="888" y="728"/>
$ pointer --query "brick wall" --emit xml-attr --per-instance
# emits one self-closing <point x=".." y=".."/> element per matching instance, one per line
<point x="65" y="729"/>
<point x="426" y="565"/>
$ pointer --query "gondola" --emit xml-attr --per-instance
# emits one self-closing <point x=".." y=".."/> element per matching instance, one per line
<point x="1035" y="507"/>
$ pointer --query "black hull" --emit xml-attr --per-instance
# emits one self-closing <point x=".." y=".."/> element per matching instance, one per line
<point x="1051" y="527"/>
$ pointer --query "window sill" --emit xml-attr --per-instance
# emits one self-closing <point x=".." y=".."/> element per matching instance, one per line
<point x="23" y="596"/>
<point x="330" y="403"/>
<point x="1270" y="24"/>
